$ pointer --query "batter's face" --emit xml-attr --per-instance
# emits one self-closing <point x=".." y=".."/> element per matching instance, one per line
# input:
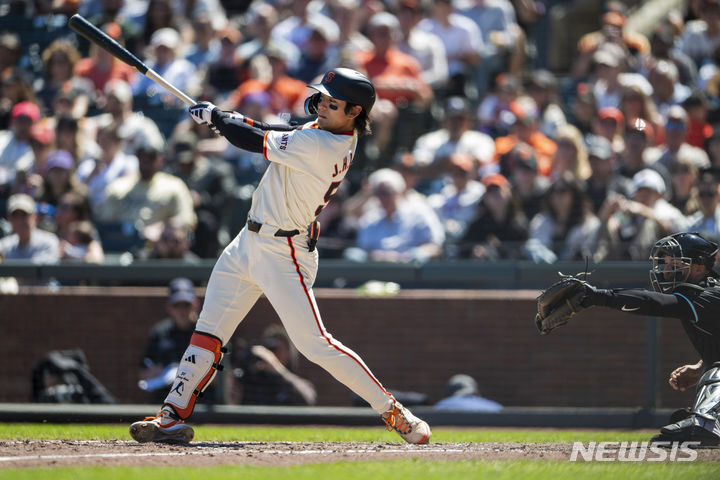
<point x="332" y="116"/>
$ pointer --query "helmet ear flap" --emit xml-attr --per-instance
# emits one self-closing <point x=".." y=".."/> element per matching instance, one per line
<point x="311" y="104"/>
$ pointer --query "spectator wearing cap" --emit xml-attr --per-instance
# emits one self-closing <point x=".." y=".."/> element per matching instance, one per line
<point x="631" y="227"/>
<point x="463" y="43"/>
<point x="27" y="242"/>
<point x="300" y="25"/>
<point x="212" y="186"/>
<point x="101" y="66"/>
<point x="519" y="165"/>
<point x="284" y="93"/>
<point x="706" y="220"/>
<point x="112" y="163"/>
<point x="455" y="135"/>
<point x="524" y="128"/>
<point x="396" y="231"/>
<point x="463" y="395"/>
<point x="398" y="84"/>
<point x="499" y="228"/>
<point x="425" y="47"/>
<point x="59" y="60"/>
<point x="169" y="337"/>
<point x="15" y="151"/>
<point x="165" y="44"/>
<point x="133" y="128"/>
<point x="570" y="155"/>
<point x="702" y="36"/>
<point x="609" y="62"/>
<point x="675" y="145"/>
<point x="565" y="228"/>
<point x="59" y="178"/>
<point x="542" y="87"/>
<point x="610" y="125"/>
<point x="604" y="181"/>
<point x="149" y="198"/>
<point x="456" y="204"/>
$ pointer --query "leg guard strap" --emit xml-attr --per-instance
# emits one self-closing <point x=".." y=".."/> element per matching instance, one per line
<point x="198" y="367"/>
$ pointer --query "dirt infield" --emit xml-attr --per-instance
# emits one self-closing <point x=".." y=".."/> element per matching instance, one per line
<point x="49" y="453"/>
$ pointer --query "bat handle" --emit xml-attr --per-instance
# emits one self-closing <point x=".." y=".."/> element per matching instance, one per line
<point x="157" y="78"/>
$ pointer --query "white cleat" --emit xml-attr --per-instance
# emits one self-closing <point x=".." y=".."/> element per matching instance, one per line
<point x="163" y="428"/>
<point x="408" y="426"/>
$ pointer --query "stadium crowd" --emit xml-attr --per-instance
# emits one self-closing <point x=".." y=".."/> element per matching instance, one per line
<point x="479" y="151"/>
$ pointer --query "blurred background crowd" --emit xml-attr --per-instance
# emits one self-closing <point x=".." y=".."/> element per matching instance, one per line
<point x="500" y="132"/>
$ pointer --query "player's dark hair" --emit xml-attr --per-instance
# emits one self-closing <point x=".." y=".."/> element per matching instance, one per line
<point x="362" y="121"/>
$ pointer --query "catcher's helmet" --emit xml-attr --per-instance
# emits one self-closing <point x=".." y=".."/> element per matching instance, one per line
<point x="673" y="256"/>
<point x="348" y="85"/>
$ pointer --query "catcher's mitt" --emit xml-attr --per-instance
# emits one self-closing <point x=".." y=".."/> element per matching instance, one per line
<point x="560" y="302"/>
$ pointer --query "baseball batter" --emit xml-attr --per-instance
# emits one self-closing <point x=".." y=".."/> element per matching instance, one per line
<point x="275" y="253"/>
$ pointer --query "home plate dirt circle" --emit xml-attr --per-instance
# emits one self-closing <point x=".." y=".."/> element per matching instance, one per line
<point x="50" y="453"/>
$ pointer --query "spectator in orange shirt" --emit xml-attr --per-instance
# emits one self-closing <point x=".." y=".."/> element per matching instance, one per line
<point x="396" y="77"/>
<point x="525" y="129"/>
<point x="101" y="66"/>
<point x="287" y="94"/>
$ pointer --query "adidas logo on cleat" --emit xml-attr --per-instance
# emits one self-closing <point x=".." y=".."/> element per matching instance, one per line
<point x="190" y="358"/>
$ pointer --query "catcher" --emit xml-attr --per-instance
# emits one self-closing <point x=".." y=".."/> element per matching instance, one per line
<point x="685" y="287"/>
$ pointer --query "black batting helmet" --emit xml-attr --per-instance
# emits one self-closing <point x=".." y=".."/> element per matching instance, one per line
<point x="672" y="257"/>
<point x="348" y="85"/>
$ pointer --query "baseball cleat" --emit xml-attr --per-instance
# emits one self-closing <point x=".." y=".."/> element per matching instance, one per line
<point x="162" y="428"/>
<point x="408" y="426"/>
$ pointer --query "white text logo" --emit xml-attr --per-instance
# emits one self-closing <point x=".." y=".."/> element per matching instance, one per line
<point x="634" y="451"/>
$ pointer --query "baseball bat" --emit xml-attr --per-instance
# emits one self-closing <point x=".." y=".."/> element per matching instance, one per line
<point x="101" y="39"/>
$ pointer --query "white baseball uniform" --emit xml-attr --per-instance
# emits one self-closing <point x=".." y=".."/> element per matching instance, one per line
<point x="306" y="167"/>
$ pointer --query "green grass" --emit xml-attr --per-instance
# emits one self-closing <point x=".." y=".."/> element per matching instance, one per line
<point x="208" y="433"/>
<point x="395" y="470"/>
<point x="415" y="469"/>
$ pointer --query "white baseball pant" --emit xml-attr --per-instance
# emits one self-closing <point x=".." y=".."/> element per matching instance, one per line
<point x="284" y="270"/>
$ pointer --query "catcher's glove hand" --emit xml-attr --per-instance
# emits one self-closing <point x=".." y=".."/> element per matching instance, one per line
<point x="560" y="302"/>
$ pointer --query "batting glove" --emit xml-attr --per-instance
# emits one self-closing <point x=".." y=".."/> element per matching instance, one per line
<point x="202" y="112"/>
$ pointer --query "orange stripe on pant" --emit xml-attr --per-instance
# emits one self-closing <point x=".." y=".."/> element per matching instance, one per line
<point x="317" y="321"/>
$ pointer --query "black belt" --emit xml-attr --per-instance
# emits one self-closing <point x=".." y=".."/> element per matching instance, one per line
<point x="256" y="226"/>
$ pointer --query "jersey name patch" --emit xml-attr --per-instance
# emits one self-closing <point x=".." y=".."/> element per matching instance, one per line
<point x="284" y="141"/>
<point x="345" y="165"/>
